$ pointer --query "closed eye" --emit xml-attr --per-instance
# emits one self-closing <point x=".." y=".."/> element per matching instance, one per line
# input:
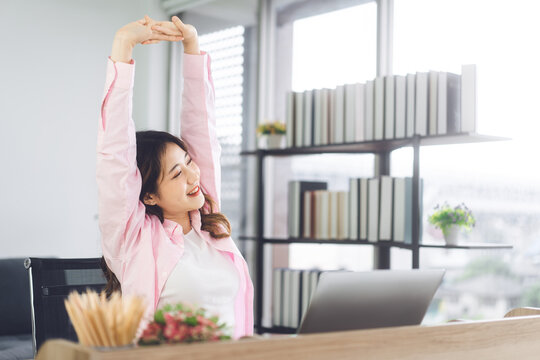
<point x="179" y="172"/>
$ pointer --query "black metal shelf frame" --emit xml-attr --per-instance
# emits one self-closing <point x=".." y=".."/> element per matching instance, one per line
<point x="383" y="148"/>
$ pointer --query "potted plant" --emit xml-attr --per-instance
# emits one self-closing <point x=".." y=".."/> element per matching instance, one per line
<point x="451" y="220"/>
<point x="271" y="135"/>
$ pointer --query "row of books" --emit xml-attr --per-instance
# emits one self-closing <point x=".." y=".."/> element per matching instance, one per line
<point x="292" y="291"/>
<point x="374" y="209"/>
<point x="388" y="107"/>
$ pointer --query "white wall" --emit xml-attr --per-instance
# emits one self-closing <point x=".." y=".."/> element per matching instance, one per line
<point x="52" y="71"/>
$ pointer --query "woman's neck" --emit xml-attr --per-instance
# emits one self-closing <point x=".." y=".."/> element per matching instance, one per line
<point x="181" y="219"/>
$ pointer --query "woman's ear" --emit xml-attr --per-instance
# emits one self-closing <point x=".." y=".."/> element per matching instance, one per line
<point x="149" y="199"/>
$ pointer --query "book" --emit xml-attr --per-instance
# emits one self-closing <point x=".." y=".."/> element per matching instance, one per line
<point x="350" y="113"/>
<point x="296" y="204"/>
<point x="298" y="119"/>
<point x="363" y="211"/>
<point x="373" y="210"/>
<point x="324" y="215"/>
<point x="326" y="97"/>
<point x="296" y="298"/>
<point x="314" y="280"/>
<point x="307" y="231"/>
<point x="334" y="216"/>
<point x="286" y="296"/>
<point x="317" y="116"/>
<point x="449" y="103"/>
<point x="354" y="206"/>
<point x="331" y="115"/>
<point x="468" y="98"/>
<point x="433" y="89"/>
<point x="389" y="106"/>
<point x="343" y="215"/>
<point x="421" y="109"/>
<point x="378" y="132"/>
<point x="339" y="115"/>
<point x="306" y="292"/>
<point x="403" y="209"/>
<point x="277" y="298"/>
<point x="308" y="118"/>
<point x="318" y="195"/>
<point x="289" y="118"/>
<point x="385" y="211"/>
<point x="411" y="105"/>
<point x="401" y="107"/>
<point x="369" y="104"/>
<point x="360" y="111"/>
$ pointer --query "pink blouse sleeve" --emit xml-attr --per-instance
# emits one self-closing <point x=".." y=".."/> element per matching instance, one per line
<point x="198" y="122"/>
<point x="121" y="214"/>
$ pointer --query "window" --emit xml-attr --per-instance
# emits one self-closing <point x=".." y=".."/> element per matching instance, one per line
<point x="497" y="180"/>
<point x="227" y="53"/>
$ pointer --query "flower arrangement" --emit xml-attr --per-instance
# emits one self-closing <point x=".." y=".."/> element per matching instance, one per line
<point x="271" y="128"/>
<point x="182" y="323"/>
<point x="446" y="216"/>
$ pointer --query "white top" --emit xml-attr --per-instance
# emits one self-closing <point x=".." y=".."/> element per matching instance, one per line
<point x="203" y="277"/>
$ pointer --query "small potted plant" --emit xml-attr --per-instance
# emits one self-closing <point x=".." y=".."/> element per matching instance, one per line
<point x="271" y="135"/>
<point x="451" y="220"/>
<point x="182" y="323"/>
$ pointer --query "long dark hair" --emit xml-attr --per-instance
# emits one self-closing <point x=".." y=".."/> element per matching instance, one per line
<point x="151" y="147"/>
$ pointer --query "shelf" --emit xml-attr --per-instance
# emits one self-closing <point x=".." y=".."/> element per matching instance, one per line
<point x="479" y="246"/>
<point x="278" y="330"/>
<point x="333" y="242"/>
<point x="378" y="146"/>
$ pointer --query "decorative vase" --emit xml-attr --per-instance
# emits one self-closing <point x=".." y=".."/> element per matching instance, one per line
<point x="451" y="235"/>
<point x="272" y="141"/>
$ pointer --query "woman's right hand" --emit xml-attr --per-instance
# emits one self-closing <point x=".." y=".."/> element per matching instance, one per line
<point x="135" y="33"/>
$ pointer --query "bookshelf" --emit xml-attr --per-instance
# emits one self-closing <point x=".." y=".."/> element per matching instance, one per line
<point x="383" y="148"/>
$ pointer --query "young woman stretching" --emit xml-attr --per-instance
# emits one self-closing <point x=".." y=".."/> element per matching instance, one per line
<point x="159" y="196"/>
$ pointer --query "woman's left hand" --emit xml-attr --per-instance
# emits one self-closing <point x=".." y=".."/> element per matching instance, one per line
<point x="177" y="28"/>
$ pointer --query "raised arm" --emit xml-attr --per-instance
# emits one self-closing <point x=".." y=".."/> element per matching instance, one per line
<point x="119" y="182"/>
<point x="198" y="122"/>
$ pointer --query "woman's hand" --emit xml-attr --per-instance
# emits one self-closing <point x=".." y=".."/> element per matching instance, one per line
<point x="137" y="32"/>
<point x="177" y="28"/>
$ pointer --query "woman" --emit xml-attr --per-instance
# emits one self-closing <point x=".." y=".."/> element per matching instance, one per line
<point x="159" y="197"/>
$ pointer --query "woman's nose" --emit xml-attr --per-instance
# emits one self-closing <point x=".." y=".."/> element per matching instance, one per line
<point x="191" y="175"/>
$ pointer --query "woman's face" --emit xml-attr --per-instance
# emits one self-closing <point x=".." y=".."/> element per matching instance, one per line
<point x="179" y="177"/>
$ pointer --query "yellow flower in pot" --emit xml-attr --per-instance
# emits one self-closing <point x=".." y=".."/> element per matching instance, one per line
<point x="271" y="135"/>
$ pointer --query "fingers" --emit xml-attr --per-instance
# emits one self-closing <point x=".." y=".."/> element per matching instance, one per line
<point x="166" y="30"/>
<point x="179" y="24"/>
<point x="148" y="42"/>
<point x="166" y="37"/>
<point x="141" y="21"/>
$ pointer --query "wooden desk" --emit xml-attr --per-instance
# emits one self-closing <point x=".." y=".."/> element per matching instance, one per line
<point x="509" y="338"/>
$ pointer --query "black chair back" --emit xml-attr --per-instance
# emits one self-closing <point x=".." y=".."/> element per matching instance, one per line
<point x="51" y="281"/>
<point x="15" y="318"/>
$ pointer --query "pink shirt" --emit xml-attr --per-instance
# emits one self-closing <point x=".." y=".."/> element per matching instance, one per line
<point x="139" y="249"/>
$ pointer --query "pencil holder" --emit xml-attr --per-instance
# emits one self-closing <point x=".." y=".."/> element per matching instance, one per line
<point x="105" y="323"/>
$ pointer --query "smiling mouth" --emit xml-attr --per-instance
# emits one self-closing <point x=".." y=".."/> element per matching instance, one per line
<point x="195" y="191"/>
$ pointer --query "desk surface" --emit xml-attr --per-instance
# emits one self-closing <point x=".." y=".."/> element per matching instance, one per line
<point x="512" y="338"/>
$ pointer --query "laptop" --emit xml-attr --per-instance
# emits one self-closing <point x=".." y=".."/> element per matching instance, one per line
<point x="365" y="300"/>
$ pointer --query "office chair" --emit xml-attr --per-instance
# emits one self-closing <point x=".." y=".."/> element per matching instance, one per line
<point x="51" y="281"/>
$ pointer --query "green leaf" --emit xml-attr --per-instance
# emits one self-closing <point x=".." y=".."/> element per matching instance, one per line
<point x="159" y="317"/>
<point x="191" y="321"/>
